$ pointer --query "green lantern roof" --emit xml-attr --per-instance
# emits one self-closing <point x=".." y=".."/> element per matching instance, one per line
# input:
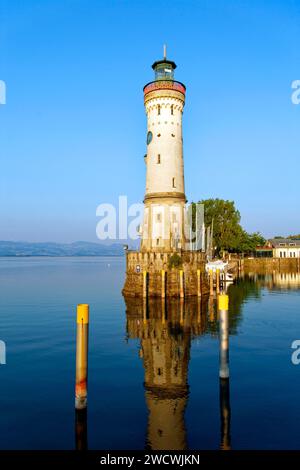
<point x="164" y="69"/>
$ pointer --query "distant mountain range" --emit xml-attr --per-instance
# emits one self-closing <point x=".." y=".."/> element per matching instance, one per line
<point x="59" y="249"/>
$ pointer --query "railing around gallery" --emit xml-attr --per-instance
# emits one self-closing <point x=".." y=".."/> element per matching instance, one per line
<point x="164" y="85"/>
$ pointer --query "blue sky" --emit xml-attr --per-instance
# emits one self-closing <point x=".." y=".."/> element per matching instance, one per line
<point x="72" y="133"/>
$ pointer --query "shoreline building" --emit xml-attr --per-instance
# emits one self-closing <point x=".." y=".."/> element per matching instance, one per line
<point x="279" y="248"/>
<point x="285" y="248"/>
<point x="165" y="265"/>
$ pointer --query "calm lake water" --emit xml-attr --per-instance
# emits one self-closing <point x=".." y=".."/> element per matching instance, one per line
<point x="154" y="378"/>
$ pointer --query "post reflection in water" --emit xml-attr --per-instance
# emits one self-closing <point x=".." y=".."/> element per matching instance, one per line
<point x="81" y="442"/>
<point x="276" y="280"/>
<point x="224" y="371"/>
<point x="225" y="414"/>
<point x="165" y="328"/>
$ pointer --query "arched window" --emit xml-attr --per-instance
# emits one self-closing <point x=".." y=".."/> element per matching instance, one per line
<point x="172" y="109"/>
<point x="173" y="183"/>
<point x="158" y="109"/>
<point x="158" y="158"/>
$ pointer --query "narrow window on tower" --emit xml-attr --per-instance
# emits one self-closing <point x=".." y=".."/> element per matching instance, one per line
<point x="173" y="183"/>
<point x="158" y="158"/>
<point x="172" y="109"/>
<point x="158" y="109"/>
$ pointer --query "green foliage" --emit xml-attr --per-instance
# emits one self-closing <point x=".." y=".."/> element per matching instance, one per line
<point x="175" y="261"/>
<point x="228" y="233"/>
<point x="291" y="237"/>
<point x="249" y="241"/>
<point x="225" y="218"/>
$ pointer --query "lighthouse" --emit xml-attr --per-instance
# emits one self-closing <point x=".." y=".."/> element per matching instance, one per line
<point x="167" y="264"/>
<point x="163" y="224"/>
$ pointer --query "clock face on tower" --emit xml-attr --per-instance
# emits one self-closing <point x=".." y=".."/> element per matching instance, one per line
<point x="149" y="137"/>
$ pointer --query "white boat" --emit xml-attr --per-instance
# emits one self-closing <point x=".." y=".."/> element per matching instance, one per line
<point x="228" y="277"/>
<point x="220" y="266"/>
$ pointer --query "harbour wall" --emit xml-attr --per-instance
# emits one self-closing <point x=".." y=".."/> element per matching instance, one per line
<point x="266" y="265"/>
<point x="153" y="263"/>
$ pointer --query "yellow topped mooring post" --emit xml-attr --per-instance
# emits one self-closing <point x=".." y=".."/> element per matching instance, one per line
<point x="198" y="283"/>
<point x="181" y="289"/>
<point x="163" y="310"/>
<point x="211" y="282"/>
<point x="144" y="284"/>
<point x="145" y="310"/>
<point x="163" y="283"/>
<point x="198" y="310"/>
<point x="224" y="336"/>
<point x="82" y="356"/>
<point x="218" y="281"/>
<point x="181" y="309"/>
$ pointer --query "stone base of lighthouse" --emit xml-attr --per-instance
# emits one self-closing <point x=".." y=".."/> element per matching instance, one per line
<point x="191" y="281"/>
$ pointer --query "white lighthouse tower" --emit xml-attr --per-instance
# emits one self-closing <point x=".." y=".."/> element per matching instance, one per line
<point x="163" y="225"/>
<point x="168" y="263"/>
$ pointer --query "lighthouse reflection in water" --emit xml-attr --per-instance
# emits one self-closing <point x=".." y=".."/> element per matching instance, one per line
<point x="166" y="329"/>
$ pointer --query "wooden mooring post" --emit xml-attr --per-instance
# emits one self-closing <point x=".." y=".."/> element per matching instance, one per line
<point x="145" y="284"/>
<point x="211" y="282"/>
<point x="198" y="283"/>
<point x="181" y="286"/>
<point x="163" y="283"/>
<point x="145" y="308"/>
<point x="163" y="310"/>
<point x="218" y="281"/>
<point x="181" y="309"/>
